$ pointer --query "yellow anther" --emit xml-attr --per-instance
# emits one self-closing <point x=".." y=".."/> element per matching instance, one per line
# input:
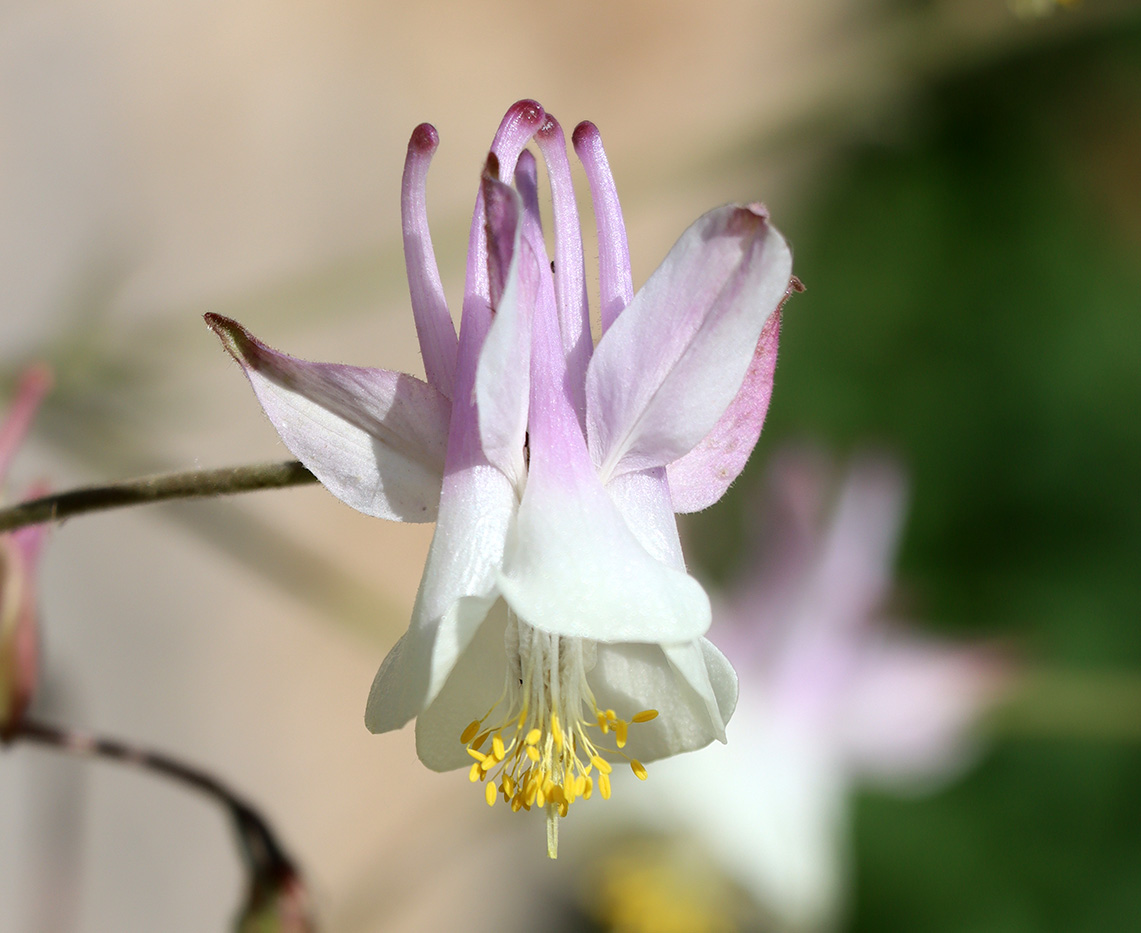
<point x="529" y="758"/>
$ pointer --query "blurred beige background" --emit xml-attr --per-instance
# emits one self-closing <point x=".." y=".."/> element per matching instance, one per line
<point x="160" y="160"/>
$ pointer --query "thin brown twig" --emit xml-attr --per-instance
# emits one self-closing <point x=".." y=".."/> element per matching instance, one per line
<point x="269" y="867"/>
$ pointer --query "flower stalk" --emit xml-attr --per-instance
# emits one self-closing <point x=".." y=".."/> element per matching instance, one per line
<point x="270" y="870"/>
<point x="162" y="487"/>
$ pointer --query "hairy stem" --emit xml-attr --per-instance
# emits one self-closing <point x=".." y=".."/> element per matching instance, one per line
<point x="189" y="484"/>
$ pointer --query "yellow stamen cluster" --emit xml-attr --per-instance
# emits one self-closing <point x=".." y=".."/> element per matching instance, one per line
<point x="548" y="745"/>
<point x="547" y="765"/>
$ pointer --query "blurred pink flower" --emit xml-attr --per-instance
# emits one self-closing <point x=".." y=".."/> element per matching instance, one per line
<point x="19" y="560"/>
<point x="552" y="469"/>
<point x="831" y="695"/>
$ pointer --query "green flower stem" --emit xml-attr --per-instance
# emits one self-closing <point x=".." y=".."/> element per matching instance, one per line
<point x="189" y="484"/>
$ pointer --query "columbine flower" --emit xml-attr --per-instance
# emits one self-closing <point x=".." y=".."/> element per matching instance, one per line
<point x="555" y="624"/>
<point x="831" y="696"/>
<point x="19" y="558"/>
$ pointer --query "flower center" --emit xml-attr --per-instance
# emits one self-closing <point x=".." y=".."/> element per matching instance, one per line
<point x="549" y="736"/>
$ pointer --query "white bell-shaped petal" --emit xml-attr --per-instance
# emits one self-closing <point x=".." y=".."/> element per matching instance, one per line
<point x="639" y="676"/>
<point x="474" y="685"/>
<point x="456" y="592"/>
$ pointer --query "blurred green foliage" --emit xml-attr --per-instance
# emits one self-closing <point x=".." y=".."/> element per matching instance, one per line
<point x="974" y="304"/>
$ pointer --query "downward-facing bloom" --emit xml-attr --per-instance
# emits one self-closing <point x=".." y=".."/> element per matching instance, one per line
<point x="556" y="629"/>
<point x="832" y="695"/>
<point x="19" y="560"/>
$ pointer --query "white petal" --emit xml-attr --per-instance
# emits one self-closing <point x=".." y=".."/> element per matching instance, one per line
<point x="629" y="678"/>
<point x="474" y="685"/>
<point x="643" y="500"/>
<point x="419" y="664"/>
<point x="456" y="591"/>
<point x="669" y="366"/>
<point x="477" y="506"/>
<point x="374" y="438"/>
<point x="709" y="675"/>
<point x="573" y="567"/>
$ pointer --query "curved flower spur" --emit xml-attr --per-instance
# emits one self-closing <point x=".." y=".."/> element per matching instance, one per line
<point x="556" y="630"/>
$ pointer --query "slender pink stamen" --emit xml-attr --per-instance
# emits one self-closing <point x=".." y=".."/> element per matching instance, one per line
<point x="616" y="283"/>
<point x="434" y="326"/>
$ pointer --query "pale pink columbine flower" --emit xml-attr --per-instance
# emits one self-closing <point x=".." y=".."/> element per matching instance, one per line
<point x="19" y="560"/>
<point x="555" y="622"/>
<point x="832" y="694"/>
